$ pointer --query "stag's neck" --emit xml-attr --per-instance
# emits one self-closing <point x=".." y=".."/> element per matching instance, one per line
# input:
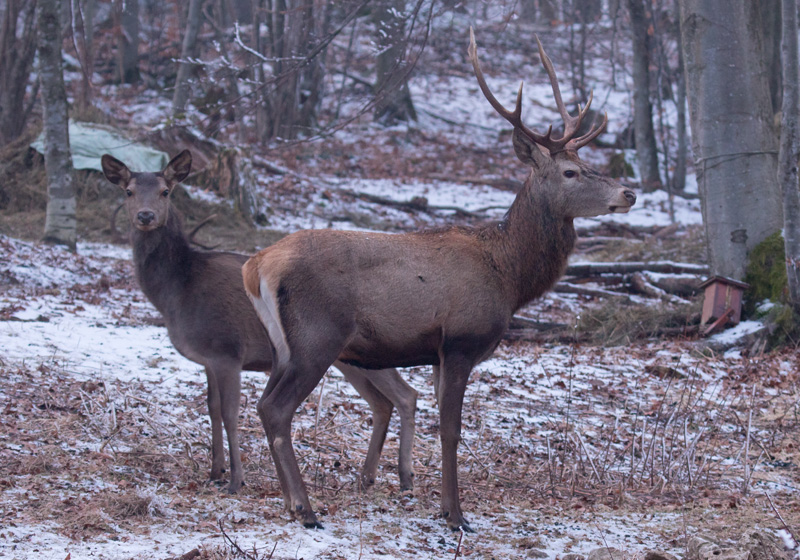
<point x="535" y="239"/>
<point x="163" y="260"/>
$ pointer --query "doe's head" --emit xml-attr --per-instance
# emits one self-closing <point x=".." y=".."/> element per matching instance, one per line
<point x="147" y="194"/>
<point x="579" y="190"/>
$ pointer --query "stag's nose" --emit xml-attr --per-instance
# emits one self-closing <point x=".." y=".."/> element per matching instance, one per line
<point x="145" y="217"/>
<point x="630" y="196"/>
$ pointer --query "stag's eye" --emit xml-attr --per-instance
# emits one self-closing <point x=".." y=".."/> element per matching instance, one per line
<point x="569" y="173"/>
<point x="129" y="192"/>
<point x="165" y="194"/>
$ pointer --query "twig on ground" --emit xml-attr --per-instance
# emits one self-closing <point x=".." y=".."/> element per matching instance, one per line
<point x="780" y="518"/>
<point x="458" y="546"/>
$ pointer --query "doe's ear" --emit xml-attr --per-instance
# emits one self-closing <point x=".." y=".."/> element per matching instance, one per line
<point x="179" y="167"/>
<point x="527" y="150"/>
<point x="115" y="171"/>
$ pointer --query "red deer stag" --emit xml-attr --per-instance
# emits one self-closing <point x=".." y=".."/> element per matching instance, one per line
<point x="210" y="320"/>
<point x="442" y="297"/>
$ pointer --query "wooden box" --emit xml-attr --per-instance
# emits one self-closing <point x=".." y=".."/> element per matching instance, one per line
<point x="723" y="296"/>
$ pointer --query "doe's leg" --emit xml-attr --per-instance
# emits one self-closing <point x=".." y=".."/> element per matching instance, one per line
<point x="228" y="375"/>
<point x="404" y="398"/>
<point x="215" y="413"/>
<point x="381" y="408"/>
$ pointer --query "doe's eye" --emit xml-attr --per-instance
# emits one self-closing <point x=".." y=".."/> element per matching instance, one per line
<point x="569" y="174"/>
<point x="128" y="192"/>
<point x="165" y="193"/>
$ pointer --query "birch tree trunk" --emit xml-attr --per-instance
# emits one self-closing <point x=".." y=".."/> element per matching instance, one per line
<point x="790" y="151"/>
<point x="60" y="222"/>
<point x="733" y="136"/>
<point x="644" y="134"/>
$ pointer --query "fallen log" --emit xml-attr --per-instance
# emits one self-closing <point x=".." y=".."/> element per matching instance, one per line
<point x="567" y="288"/>
<point x="666" y="267"/>
<point x="640" y="283"/>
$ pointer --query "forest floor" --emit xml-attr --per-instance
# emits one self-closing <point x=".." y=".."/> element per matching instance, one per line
<point x="602" y="436"/>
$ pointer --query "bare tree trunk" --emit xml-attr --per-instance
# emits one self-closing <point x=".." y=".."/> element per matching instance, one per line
<point x="679" y="177"/>
<point x="60" y="224"/>
<point x="394" y="98"/>
<point x="188" y="49"/>
<point x="734" y="142"/>
<point x="527" y="11"/>
<point x="577" y="58"/>
<point x="17" y="49"/>
<point x="590" y="9"/>
<point x="548" y="11"/>
<point x="644" y="134"/>
<point x="82" y="21"/>
<point x="771" y="26"/>
<point x="258" y="66"/>
<point x="295" y="27"/>
<point x="127" y="12"/>
<point x="790" y="151"/>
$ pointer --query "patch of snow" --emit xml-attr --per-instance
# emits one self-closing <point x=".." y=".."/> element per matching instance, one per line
<point x="735" y="333"/>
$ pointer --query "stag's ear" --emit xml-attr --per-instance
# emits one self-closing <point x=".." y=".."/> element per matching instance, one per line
<point x="527" y="150"/>
<point x="115" y="171"/>
<point x="178" y="169"/>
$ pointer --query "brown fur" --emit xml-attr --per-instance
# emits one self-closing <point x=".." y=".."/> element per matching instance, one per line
<point x="211" y="321"/>
<point x="442" y="297"/>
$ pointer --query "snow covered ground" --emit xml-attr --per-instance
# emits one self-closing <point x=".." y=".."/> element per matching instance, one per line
<point x="566" y="448"/>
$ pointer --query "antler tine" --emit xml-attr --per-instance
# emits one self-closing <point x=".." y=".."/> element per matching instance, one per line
<point x="551" y="72"/>
<point x="571" y="124"/>
<point x="577" y="143"/>
<point x="515" y="116"/>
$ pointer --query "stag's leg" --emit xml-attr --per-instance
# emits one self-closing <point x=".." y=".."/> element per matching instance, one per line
<point x="229" y="382"/>
<point x="436" y="372"/>
<point x="381" y="408"/>
<point x="289" y="384"/>
<point x="215" y="413"/>
<point x="404" y="398"/>
<point x="454" y="373"/>
<point x="262" y="410"/>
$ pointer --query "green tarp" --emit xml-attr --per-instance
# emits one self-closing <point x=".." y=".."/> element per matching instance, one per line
<point x="89" y="141"/>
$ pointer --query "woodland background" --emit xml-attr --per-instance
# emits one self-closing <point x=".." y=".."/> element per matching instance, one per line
<point x="606" y="420"/>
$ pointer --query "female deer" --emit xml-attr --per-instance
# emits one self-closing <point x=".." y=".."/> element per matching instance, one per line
<point x="211" y="321"/>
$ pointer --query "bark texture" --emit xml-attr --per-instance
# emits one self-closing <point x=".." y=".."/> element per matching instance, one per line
<point x="644" y="133"/>
<point x="733" y="136"/>
<point x="790" y="150"/>
<point x="188" y="50"/>
<point x="394" y="98"/>
<point x="17" y="47"/>
<point x="60" y="221"/>
<point x="295" y="26"/>
<point x="128" y="41"/>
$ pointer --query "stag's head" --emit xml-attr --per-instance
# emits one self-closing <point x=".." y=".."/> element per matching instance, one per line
<point x="556" y="167"/>
<point x="147" y="194"/>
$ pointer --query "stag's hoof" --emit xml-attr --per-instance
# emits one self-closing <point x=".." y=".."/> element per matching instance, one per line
<point x="366" y="481"/>
<point x="457" y="523"/>
<point x="306" y="516"/>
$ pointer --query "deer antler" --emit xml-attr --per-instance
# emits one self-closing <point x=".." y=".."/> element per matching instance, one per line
<point x="567" y="142"/>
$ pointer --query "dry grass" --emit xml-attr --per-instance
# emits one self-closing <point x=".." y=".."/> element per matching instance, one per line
<point x="613" y="323"/>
